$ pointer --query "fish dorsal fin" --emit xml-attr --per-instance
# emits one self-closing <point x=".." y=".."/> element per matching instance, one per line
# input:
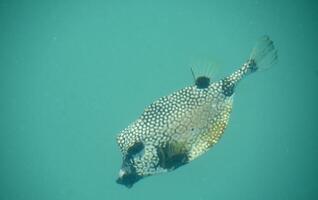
<point x="202" y="73"/>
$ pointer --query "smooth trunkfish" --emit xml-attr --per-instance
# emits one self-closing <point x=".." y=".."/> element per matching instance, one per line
<point x="178" y="128"/>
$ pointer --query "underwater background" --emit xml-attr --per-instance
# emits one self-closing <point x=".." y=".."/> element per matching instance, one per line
<point x="73" y="74"/>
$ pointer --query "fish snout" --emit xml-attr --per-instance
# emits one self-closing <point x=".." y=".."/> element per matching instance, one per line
<point x="127" y="177"/>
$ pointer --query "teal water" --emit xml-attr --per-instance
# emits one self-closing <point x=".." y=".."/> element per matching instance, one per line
<point x="73" y="74"/>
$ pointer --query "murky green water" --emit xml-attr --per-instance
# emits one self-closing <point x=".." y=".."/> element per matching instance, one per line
<point x="74" y="73"/>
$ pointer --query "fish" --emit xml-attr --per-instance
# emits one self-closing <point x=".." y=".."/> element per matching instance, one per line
<point x="178" y="128"/>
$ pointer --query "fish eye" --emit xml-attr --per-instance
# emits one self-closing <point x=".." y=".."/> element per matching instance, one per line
<point x="135" y="149"/>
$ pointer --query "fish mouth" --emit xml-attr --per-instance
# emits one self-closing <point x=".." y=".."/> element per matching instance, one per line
<point x="128" y="179"/>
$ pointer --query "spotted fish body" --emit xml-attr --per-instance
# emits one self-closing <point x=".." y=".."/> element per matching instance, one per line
<point x="178" y="128"/>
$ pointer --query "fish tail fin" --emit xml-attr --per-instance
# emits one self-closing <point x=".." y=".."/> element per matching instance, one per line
<point x="263" y="55"/>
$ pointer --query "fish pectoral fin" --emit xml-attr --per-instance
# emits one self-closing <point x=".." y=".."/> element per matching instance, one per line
<point x="172" y="156"/>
